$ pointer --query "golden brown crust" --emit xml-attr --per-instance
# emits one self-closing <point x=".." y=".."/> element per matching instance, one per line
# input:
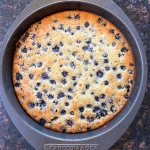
<point x="73" y="71"/>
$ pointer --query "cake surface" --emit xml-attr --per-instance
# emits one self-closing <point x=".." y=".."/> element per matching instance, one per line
<point x="73" y="71"/>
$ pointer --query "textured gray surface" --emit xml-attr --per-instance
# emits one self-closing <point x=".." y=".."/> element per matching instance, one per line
<point x="138" y="134"/>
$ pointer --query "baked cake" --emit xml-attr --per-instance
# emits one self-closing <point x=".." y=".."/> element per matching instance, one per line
<point x="73" y="71"/>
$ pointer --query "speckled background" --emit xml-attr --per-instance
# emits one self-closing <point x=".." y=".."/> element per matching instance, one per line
<point x="137" y="137"/>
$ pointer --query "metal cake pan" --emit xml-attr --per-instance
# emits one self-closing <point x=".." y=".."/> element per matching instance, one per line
<point x="42" y="138"/>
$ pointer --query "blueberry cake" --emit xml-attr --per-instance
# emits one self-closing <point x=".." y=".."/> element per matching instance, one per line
<point x="73" y="71"/>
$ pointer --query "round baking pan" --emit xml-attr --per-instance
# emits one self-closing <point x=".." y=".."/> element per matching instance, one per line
<point x="40" y="137"/>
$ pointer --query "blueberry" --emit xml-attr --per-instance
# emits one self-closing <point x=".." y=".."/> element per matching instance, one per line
<point x="75" y="84"/>
<point x="106" y="82"/>
<point x="26" y="34"/>
<point x="70" y="97"/>
<point x="100" y="74"/>
<point x="42" y="121"/>
<point x="113" y="108"/>
<point x="96" y="109"/>
<point x="104" y="24"/>
<point x="101" y="41"/>
<point x="61" y="27"/>
<point x="78" y="41"/>
<point x="45" y="91"/>
<point x="39" y="45"/>
<point x="64" y="130"/>
<point x="24" y="50"/>
<point x="31" y="76"/>
<point x="70" y="90"/>
<point x="123" y="67"/>
<point x="69" y="122"/>
<point x="126" y="96"/>
<point x="61" y="44"/>
<point x="61" y="53"/>
<point x="81" y="109"/>
<point x="119" y="87"/>
<point x="18" y="45"/>
<point x="18" y="76"/>
<point x="110" y="100"/>
<point x="73" y="78"/>
<point x="49" y="44"/>
<point x="66" y="104"/>
<point x="71" y="113"/>
<point x="113" y="44"/>
<point x="112" y="31"/>
<point x="102" y="96"/>
<point x="77" y="16"/>
<point x="96" y="63"/>
<point x="39" y="64"/>
<point x="89" y="105"/>
<point x="50" y="96"/>
<point x="53" y="28"/>
<point x="52" y="81"/>
<point x="38" y="84"/>
<point x="97" y="98"/>
<point x="119" y="76"/>
<point x="55" y="49"/>
<point x="69" y="16"/>
<point x="23" y="39"/>
<point x="90" y="119"/>
<point x="105" y="55"/>
<point x="72" y="65"/>
<point x="39" y="95"/>
<point x="104" y="105"/>
<point x="62" y="112"/>
<point x="31" y="105"/>
<point x="78" y="27"/>
<point x="17" y="85"/>
<point x="100" y="20"/>
<point x="45" y="76"/>
<point x="74" y="54"/>
<point x="87" y="86"/>
<point x="98" y="116"/>
<point x="124" y="49"/>
<point x="130" y="71"/>
<point x="114" y="68"/>
<point x="42" y="104"/>
<point x="103" y="112"/>
<point x="60" y="95"/>
<point x="65" y="73"/>
<point x="33" y="36"/>
<point x="85" y="48"/>
<point x="106" y="61"/>
<point x="107" y="68"/>
<point x="86" y="62"/>
<point x="86" y="24"/>
<point x="54" y="119"/>
<point x="117" y="36"/>
<point x="47" y="34"/>
<point x="64" y="81"/>
<point x="82" y="117"/>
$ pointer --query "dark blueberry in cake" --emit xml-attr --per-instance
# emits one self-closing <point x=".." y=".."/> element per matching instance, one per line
<point x="87" y="86"/>
<point x="62" y="112"/>
<point x="103" y="112"/>
<point x="114" y="68"/>
<point x="71" y="113"/>
<point x="47" y="34"/>
<point x="86" y="62"/>
<point x="31" y="105"/>
<point x="81" y="109"/>
<point x="86" y="24"/>
<point x="74" y="54"/>
<point x="61" y="44"/>
<point x="50" y="96"/>
<point x="100" y="20"/>
<point x="64" y="81"/>
<point x="124" y="49"/>
<point x="119" y="87"/>
<point x="112" y="31"/>
<point x="104" y="105"/>
<point x="97" y="98"/>
<point x="105" y="55"/>
<point x="96" y="63"/>
<point x="100" y="74"/>
<point x="90" y="119"/>
<point x="39" y="64"/>
<point x="66" y="104"/>
<point x="45" y="76"/>
<point x="119" y="76"/>
<point x="85" y="48"/>
<point x="42" y="104"/>
<point x="113" y="44"/>
<point x="18" y="45"/>
<point x="52" y="81"/>
<point x="89" y="105"/>
<point x="101" y="41"/>
<point x="38" y="84"/>
<point x="106" y="82"/>
<point x="42" y="121"/>
<point x="31" y="76"/>
<point x="60" y="95"/>
<point x="54" y="119"/>
<point x="98" y="116"/>
<point x="82" y="117"/>
<point x="102" y="96"/>
<point x="104" y="24"/>
<point x="64" y="130"/>
<point x="23" y="39"/>
<point x="78" y="41"/>
<point x="126" y="96"/>
<point x="78" y="27"/>
<point x="123" y="67"/>
<point x="45" y="91"/>
<point x="107" y="68"/>
<point x="70" y="90"/>
<point x="49" y="44"/>
<point x="61" y="54"/>
<point x="113" y="108"/>
<point x="65" y="73"/>
<point x="17" y="85"/>
<point x="73" y="78"/>
<point x="33" y="36"/>
<point x="39" y="95"/>
<point x="69" y="16"/>
<point x="70" y="97"/>
<point x="110" y="100"/>
<point x="39" y="45"/>
<point x="69" y="122"/>
<point x="77" y="16"/>
<point x="75" y="84"/>
<point x="55" y="49"/>
<point x="117" y="36"/>
<point x="61" y="27"/>
<point x="96" y="108"/>
<point x="53" y="28"/>
<point x="24" y="50"/>
<point x="130" y="71"/>
<point x="72" y="65"/>
<point x="18" y="76"/>
<point x="106" y="61"/>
